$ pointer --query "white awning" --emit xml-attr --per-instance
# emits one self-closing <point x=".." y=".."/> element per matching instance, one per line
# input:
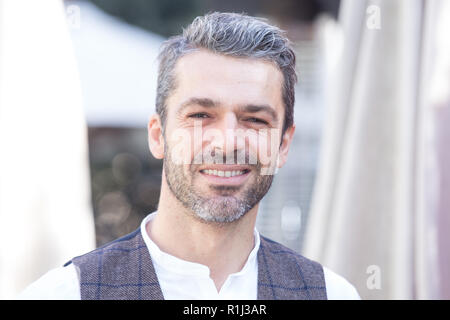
<point x="117" y="65"/>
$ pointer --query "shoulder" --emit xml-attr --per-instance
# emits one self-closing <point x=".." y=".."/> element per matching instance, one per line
<point x="281" y="253"/>
<point x="114" y="251"/>
<point x="288" y="274"/>
<point x="57" y="284"/>
<point x="338" y="288"/>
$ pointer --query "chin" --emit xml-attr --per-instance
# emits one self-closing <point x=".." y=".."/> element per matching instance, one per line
<point x="221" y="210"/>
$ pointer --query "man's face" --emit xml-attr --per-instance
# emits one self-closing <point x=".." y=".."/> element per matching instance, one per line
<point x="222" y="134"/>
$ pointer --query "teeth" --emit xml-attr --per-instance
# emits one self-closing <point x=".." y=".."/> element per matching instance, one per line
<point x="220" y="173"/>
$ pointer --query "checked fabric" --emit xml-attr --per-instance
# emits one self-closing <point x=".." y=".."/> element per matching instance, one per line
<point x="123" y="270"/>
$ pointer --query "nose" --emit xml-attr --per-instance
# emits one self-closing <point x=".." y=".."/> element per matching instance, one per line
<point x="226" y="139"/>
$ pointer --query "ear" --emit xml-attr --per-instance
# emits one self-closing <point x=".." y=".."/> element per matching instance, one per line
<point x="155" y="137"/>
<point x="285" y="144"/>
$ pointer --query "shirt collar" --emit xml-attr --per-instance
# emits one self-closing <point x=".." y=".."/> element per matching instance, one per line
<point x="180" y="266"/>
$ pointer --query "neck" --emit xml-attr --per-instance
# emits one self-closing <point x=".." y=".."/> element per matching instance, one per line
<point x="224" y="248"/>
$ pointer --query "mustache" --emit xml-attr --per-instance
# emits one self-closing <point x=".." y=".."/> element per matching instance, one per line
<point x="215" y="156"/>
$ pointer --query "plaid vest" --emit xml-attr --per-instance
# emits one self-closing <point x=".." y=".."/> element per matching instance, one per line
<point x="123" y="269"/>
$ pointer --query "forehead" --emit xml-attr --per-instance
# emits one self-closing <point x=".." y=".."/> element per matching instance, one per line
<point x="229" y="80"/>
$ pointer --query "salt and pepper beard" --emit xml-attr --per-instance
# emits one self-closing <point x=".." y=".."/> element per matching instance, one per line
<point x="229" y="203"/>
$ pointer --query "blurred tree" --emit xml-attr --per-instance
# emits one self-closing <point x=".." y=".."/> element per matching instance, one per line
<point x="168" y="17"/>
<point x="163" y="17"/>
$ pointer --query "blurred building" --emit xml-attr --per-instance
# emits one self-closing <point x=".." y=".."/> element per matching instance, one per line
<point x="118" y="70"/>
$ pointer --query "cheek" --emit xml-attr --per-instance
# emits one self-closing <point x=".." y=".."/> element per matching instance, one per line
<point x="268" y="147"/>
<point x="180" y="146"/>
<point x="252" y="146"/>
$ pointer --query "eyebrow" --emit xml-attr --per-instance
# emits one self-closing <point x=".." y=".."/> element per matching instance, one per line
<point x="204" y="102"/>
<point x="261" y="108"/>
<point x="208" y="103"/>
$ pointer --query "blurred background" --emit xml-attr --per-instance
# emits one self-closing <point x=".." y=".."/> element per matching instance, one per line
<point x="365" y="189"/>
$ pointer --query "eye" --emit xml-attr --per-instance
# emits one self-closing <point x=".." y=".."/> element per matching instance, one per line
<point x="257" y="120"/>
<point x="199" y="115"/>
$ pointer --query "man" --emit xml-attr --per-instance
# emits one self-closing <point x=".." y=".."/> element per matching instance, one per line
<point x="224" y="124"/>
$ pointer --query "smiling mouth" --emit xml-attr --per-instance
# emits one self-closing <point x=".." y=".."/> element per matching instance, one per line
<point x="225" y="173"/>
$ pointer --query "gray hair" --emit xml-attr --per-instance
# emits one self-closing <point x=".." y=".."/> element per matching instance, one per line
<point x="230" y="34"/>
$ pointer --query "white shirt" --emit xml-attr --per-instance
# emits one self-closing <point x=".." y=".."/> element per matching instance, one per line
<point x="180" y="279"/>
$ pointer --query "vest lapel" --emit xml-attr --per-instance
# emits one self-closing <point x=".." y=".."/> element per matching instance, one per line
<point x="148" y="274"/>
<point x="265" y="284"/>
